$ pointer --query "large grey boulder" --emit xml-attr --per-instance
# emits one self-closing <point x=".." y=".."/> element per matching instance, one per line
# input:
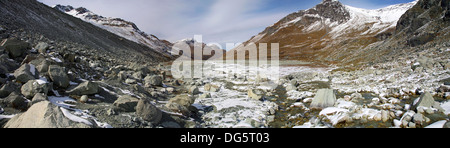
<point x="16" y="101"/>
<point x="7" y="89"/>
<point x="127" y="103"/>
<point x="425" y="100"/>
<point x="42" y="47"/>
<point x="43" y="115"/>
<point x="147" y="111"/>
<point x="58" y="76"/>
<point x="38" y="98"/>
<point x="193" y="90"/>
<point x="85" y="88"/>
<point x="181" y="104"/>
<point x="324" y="98"/>
<point x="153" y="81"/>
<point x="25" y="73"/>
<point x="16" y="48"/>
<point x="33" y="87"/>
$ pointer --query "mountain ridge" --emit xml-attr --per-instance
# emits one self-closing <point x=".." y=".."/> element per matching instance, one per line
<point x="121" y="27"/>
<point x="330" y="31"/>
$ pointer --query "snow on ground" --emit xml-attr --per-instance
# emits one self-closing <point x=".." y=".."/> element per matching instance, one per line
<point x="73" y="117"/>
<point x="439" y="124"/>
<point x="446" y="107"/>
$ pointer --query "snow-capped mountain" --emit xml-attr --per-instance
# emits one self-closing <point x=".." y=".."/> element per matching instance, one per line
<point x="120" y="27"/>
<point x="208" y="50"/>
<point x="330" y="31"/>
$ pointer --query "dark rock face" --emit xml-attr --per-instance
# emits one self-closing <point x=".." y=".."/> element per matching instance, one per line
<point x="424" y="21"/>
<point x="333" y="10"/>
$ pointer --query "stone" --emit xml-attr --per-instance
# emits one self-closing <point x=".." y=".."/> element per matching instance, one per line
<point x="257" y="95"/>
<point x="85" y="88"/>
<point x="43" y="66"/>
<point x="205" y="95"/>
<point x="58" y="76"/>
<point x="147" y="111"/>
<point x="7" y="89"/>
<point x="130" y="81"/>
<point x="153" y="81"/>
<point x="211" y="88"/>
<point x="291" y="87"/>
<point x="425" y="100"/>
<point x="324" y="98"/>
<point x="419" y="119"/>
<point x="34" y="87"/>
<point x="69" y="57"/>
<point x="42" y="47"/>
<point x="193" y="90"/>
<point x="16" y="48"/>
<point x="84" y="99"/>
<point x="126" y="102"/>
<point x="38" y="98"/>
<point x="447" y="124"/>
<point x="170" y="124"/>
<point x="25" y="73"/>
<point x="444" y="88"/>
<point x="43" y="115"/>
<point x="181" y="104"/>
<point x="16" y="101"/>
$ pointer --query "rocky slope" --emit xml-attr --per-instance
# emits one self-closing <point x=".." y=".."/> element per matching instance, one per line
<point x="32" y="17"/>
<point x="120" y="27"/>
<point x="330" y="32"/>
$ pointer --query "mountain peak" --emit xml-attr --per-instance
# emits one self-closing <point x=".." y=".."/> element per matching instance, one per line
<point x="332" y="9"/>
<point x="330" y="1"/>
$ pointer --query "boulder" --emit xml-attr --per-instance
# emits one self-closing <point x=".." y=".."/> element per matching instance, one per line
<point x="42" y="47"/>
<point x="291" y="87"/>
<point x="255" y="94"/>
<point x="425" y="100"/>
<point x="8" y="63"/>
<point x="38" y="98"/>
<point x="16" y="101"/>
<point x="324" y="98"/>
<point x="85" y="88"/>
<point x="16" y="48"/>
<point x="147" y="111"/>
<point x="153" y="81"/>
<point x="25" y="73"/>
<point x="193" y="90"/>
<point x="43" y="115"/>
<point x="42" y="67"/>
<point x="33" y="87"/>
<point x="7" y="89"/>
<point x="84" y="99"/>
<point x="425" y="62"/>
<point x="126" y="102"/>
<point x="181" y="104"/>
<point x="211" y="88"/>
<point x="58" y="76"/>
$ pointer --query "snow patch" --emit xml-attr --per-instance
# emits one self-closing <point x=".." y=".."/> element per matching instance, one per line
<point x="61" y="101"/>
<point x="6" y="116"/>
<point x="33" y="69"/>
<point x="74" y="118"/>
